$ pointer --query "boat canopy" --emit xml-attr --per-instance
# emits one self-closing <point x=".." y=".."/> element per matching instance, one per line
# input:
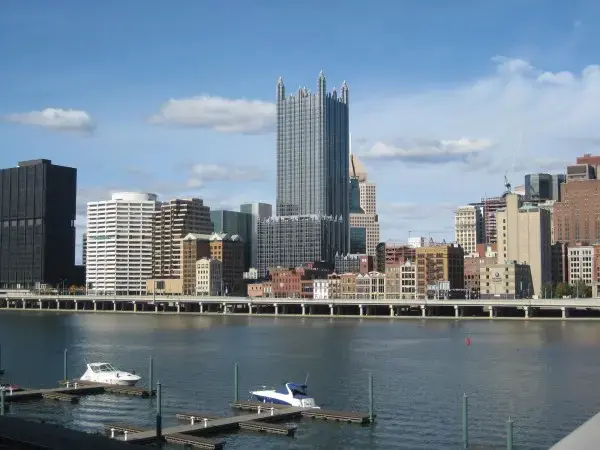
<point x="295" y="388"/>
<point x="102" y="367"/>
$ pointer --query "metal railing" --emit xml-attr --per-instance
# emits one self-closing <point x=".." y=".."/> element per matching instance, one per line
<point x="554" y="303"/>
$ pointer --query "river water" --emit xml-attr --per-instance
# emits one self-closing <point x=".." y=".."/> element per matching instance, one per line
<point x="544" y="374"/>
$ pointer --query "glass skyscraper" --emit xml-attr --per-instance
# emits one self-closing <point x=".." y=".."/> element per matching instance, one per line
<point x="312" y="179"/>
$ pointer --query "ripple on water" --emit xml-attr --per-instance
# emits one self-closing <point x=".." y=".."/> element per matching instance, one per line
<point x="421" y="370"/>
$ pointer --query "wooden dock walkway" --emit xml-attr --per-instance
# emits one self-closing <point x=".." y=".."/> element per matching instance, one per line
<point x="61" y="397"/>
<point x="71" y="394"/>
<point x="217" y="425"/>
<point x="253" y="425"/>
<point x="114" y="388"/>
<point x="36" y="394"/>
<point x="312" y="413"/>
<point x="182" y="439"/>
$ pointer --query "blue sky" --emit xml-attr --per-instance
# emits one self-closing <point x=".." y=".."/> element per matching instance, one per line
<point x="176" y="97"/>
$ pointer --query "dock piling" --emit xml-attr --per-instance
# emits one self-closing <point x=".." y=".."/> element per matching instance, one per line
<point x="150" y="375"/>
<point x="509" y="434"/>
<point x="235" y="382"/>
<point x="2" y="402"/>
<point x="158" y="411"/>
<point x="371" y="409"/>
<point x="65" y="358"/>
<point x="465" y="421"/>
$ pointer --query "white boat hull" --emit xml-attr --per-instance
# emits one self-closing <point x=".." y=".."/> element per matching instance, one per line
<point x="273" y="397"/>
<point x="98" y="373"/>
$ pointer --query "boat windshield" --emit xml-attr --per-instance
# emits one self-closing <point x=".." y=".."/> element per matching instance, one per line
<point x="297" y="390"/>
<point x="103" y="368"/>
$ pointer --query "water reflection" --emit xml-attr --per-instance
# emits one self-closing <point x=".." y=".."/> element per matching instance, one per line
<point x="543" y="373"/>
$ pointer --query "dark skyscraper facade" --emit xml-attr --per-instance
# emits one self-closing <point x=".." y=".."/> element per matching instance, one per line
<point x="312" y="206"/>
<point x="37" y="224"/>
<point x="313" y="152"/>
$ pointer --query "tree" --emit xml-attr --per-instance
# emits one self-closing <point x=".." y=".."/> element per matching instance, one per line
<point x="562" y="290"/>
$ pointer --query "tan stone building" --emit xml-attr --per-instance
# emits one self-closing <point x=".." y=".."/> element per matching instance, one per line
<point x="524" y="236"/>
<point x="348" y="286"/>
<point x="401" y="281"/>
<point x="370" y="286"/>
<point x="229" y="249"/>
<point x="164" y="286"/>
<point x="193" y="248"/>
<point x="468" y="227"/>
<point x="172" y="221"/>
<point x="504" y="281"/>
<point x="209" y="277"/>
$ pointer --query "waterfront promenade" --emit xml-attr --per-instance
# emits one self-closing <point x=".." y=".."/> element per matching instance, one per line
<point x="382" y="307"/>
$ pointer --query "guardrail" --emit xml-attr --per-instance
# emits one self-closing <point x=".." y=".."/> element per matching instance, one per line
<point x="556" y="303"/>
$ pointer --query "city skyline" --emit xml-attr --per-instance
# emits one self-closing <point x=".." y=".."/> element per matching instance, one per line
<point x="418" y="116"/>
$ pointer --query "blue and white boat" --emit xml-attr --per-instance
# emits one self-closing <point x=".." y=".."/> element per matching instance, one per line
<point x="291" y="394"/>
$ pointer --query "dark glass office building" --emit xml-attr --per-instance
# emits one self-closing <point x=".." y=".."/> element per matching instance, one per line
<point x="234" y="222"/>
<point x="37" y="225"/>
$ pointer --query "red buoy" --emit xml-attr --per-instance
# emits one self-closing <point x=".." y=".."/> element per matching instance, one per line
<point x="468" y="341"/>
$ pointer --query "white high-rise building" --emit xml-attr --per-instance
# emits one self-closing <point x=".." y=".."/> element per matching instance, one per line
<point x="119" y="243"/>
<point x="468" y="228"/>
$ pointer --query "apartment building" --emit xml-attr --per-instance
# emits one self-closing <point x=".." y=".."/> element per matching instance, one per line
<point x="119" y="243"/>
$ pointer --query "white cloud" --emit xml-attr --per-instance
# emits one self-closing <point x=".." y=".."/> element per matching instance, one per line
<point x="200" y="174"/>
<point x="538" y="121"/>
<point x="54" y="119"/>
<point x="428" y="151"/>
<point x="219" y="114"/>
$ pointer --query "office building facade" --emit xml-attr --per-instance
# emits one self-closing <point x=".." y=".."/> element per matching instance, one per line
<point x="468" y="228"/>
<point x="37" y="225"/>
<point x="119" y="243"/>
<point x="312" y="143"/>
<point x="524" y="236"/>
<point x="235" y="223"/>
<point x="173" y="220"/>
<point x="541" y="187"/>
<point x="257" y="211"/>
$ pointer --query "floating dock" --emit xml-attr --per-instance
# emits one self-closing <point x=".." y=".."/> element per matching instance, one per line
<point x="182" y="439"/>
<point x="37" y="394"/>
<point x="253" y="425"/>
<point x="312" y="413"/>
<point x="73" y="399"/>
<point x="217" y="425"/>
<point x="113" y="388"/>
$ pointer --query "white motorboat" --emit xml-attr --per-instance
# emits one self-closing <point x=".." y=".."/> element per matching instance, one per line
<point x="291" y="394"/>
<point x="106" y="373"/>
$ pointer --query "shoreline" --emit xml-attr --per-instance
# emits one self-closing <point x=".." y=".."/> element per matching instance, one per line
<point x="300" y="316"/>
